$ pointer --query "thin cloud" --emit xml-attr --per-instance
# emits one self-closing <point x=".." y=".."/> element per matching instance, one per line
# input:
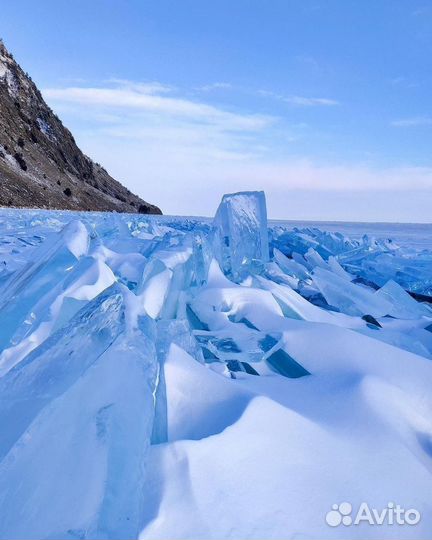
<point x="152" y="87"/>
<point x="303" y="101"/>
<point x="307" y="60"/>
<point x="215" y="86"/>
<point x="413" y="122"/>
<point x="300" y="101"/>
<point x="403" y="82"/>
<point x="150" y="98"/>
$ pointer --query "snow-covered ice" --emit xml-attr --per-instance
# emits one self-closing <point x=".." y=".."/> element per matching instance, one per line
<point x="166" y="377"/>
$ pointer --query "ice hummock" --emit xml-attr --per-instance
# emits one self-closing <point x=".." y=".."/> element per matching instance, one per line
<point x="169" y="377"/>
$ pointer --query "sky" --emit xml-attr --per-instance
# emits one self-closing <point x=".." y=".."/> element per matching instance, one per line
<point x="324" y="105"/>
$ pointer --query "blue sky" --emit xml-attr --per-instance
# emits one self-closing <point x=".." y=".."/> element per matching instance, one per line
<point x="325" y="105"/>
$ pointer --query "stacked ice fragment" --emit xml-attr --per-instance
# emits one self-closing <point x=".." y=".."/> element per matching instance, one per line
<point x="93" y="305"/>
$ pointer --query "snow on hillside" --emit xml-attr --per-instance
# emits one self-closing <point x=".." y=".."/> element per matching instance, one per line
<point x="179" y="378"/>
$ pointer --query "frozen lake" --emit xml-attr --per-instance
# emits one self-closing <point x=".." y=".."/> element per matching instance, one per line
<point x="166" y="377"/>
<point x="418" y="235"/>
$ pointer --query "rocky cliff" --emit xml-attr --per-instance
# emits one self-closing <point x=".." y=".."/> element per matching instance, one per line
<point x="40" y="162"/>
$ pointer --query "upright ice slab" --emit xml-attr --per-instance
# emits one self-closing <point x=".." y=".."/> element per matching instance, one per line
<point x="241" y="236"/>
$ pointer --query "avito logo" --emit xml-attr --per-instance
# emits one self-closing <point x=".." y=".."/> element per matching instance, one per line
<point x="392" y="514"/>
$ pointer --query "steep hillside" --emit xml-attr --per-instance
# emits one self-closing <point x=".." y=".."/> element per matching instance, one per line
<point x="40" y="162"/>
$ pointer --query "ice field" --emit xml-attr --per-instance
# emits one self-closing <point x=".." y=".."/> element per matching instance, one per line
<point x="178" y="378"/>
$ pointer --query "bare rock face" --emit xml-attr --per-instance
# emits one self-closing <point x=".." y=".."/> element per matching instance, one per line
<point x="40" y="164"/>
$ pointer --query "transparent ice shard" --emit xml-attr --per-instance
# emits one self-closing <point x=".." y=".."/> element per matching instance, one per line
<point x="241" y="235"/>
<point x="170" y="272"/>
<point x="87" y="279"/>
<point x="348" y="297"/>
<point x="170" y="332"/>
<point x="295" y="306"/>
<point x="283" y="363"/>
<point x="273" y="271"/>
<point x="290" y="266"/>
<point x="54" y="366"/>
<point x="49" y="264"/>
<point x="76" y="419"/>
<point x="314" y="259"/>
<point x="403" y="306"/>
<point x="335" y="267"/>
